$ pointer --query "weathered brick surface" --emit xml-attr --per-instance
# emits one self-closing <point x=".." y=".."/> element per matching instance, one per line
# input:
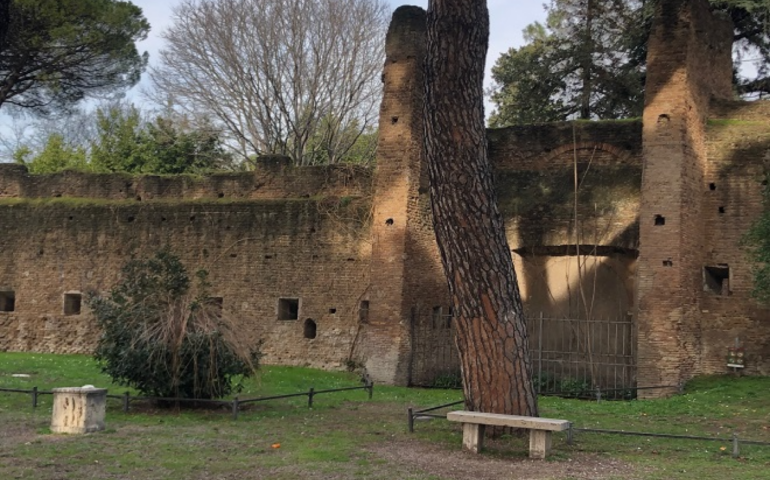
<point x="738" y="147"/>
<point x="256" y="252"/>
<point x="269" y="181"/>
<point x="536" y="168"/>
<point x="405" y="268"/>
<point x="685" y="43"/>
<point x="658" y="201"/>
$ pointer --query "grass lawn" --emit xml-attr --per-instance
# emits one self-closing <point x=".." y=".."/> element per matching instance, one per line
<point x="347" y="436"/>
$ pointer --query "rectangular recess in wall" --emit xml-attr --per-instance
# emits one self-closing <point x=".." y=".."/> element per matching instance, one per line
<point x="7" y="301"/>
<point x="716" y="279"/>
<point x="288" y="308"/>
<point x="72" y="303"/>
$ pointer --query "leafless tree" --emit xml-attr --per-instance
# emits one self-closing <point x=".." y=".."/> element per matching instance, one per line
<point x="291" y="77"/>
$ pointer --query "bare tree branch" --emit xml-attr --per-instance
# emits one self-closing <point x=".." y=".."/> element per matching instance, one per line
<point x="291" y="77"/>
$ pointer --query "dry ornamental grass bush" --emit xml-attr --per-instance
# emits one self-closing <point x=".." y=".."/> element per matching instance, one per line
<point x="163" y="335"/>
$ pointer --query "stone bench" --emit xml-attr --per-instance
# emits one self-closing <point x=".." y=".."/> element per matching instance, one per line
<point x="539" y="429"/>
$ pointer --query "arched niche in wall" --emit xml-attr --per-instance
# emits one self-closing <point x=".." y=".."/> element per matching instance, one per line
<point x="310" y="328"/>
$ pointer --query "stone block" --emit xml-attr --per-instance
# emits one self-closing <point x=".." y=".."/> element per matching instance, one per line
<point x="539" y="443"/>
<point x="78" y="409"/>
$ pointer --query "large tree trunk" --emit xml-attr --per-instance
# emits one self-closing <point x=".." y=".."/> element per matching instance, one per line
<point x="491" y="331"/>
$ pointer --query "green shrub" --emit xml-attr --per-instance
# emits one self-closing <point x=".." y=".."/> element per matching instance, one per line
<point x="164" y="336"/>
<point x="448" y="380"/>
<point x="575" y="387"/>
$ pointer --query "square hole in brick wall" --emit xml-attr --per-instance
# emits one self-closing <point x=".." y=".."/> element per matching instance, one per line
<point x="288" y="308"/>
<point x="716" y="279"/>
<point x="7" y="301"/>
<point x="72" y="303"/>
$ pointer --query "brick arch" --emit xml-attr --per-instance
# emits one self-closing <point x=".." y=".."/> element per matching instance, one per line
<point x="620" y="155"/>
<point x="567" y="147"/>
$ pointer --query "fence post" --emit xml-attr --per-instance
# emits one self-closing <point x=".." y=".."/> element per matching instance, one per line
<point x="34" y="397"/>
<point x="598" y="394"/>
<point x="370" y="387"/>
<point x="736" y="449"/>
<point x="540" y="355"/>
<point x="235" y="408"/>
<point x="569" y="434"/>
<point x="310" y="397"/>
<point x="125" y="402"/>
<point x="411" y="419"/>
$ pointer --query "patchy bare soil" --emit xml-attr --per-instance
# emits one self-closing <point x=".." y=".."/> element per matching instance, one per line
<point x="462" y="465"/>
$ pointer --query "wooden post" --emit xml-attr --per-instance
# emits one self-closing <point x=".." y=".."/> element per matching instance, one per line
<point x="410" y="414"/>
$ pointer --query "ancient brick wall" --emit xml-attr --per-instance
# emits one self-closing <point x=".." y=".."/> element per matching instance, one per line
<point x="314" y="252"/>
<point x="738" y="147"/>
<point x="271" y="180"/>
<point x="644" y="217"/>
<point x="686" y="42"/>
<point x="406" y="273"/>
<point x="536" y="168"/>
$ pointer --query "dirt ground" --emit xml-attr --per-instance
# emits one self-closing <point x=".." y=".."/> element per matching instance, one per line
<point x="462" y="465"/>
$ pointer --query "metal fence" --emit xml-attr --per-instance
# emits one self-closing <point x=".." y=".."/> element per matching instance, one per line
<point x="434" y="361"/>
<point x="571" y="357"/>
<point x="575" y="356"/>
<point x="235" y="405"/>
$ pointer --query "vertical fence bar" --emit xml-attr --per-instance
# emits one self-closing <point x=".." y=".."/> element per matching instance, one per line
<point x="615" y="361"/>
<point x="371" y="389"/>
<point x="624" y="359"/>
<point x="310" y="397"/>
<point x="608" y="375"/>
<point x="736" y="449"/>
<point x="567" y="358"/>
<point x="540" y="353"/>
<point x="125" y="402"/>
<point x="235" y="408"/>
<point x="34" y="397"/>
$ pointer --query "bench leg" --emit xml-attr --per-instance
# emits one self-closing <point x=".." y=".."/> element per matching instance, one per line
<point x="473" y="437"/>
<point x="539" y="443"/>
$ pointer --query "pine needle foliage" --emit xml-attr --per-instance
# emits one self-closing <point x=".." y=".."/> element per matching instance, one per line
<point x="163" y="335"/>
